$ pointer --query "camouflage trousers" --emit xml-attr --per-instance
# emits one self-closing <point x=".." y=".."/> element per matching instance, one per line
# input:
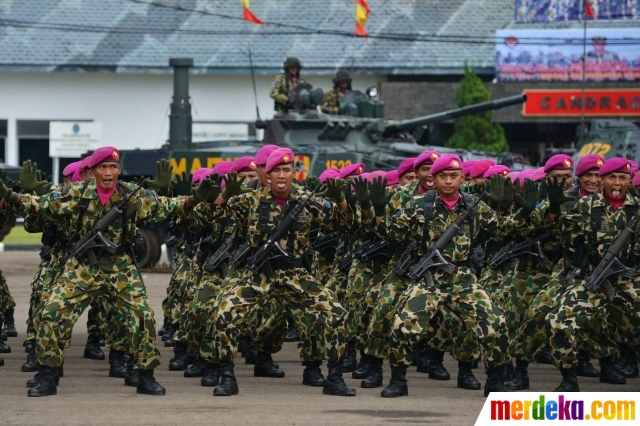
<point x="583" y="318"/>
<point x="71" y="295"/>
<point x="179" y="287"/>
<point x="6" y="301"/>
<point x="266" y="327"/>
<point x="494" y="280"/>
<point x="317" y="315"/>
<point x="360" y="281"/>
<point x="37" y="285"/>
<point x="337" y="281"/>
<point x="462" y="295"/>
<point x="380" y="306"/>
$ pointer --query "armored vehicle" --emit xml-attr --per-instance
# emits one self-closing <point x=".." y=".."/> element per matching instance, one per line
<point x="611" y="138"/>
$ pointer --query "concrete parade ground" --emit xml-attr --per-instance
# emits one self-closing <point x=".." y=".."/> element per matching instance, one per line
<point x="87" y="395"/>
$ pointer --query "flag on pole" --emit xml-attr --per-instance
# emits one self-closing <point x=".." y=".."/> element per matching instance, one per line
<point x="247" y="15"/>
<point x="588" y="10"/>
<point x="362" y="13"/>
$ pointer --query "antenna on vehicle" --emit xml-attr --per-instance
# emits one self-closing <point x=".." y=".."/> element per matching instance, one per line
<point x="253" y="80"/>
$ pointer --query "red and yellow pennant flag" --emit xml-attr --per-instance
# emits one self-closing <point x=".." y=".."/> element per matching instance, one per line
<point x="588" y="11"/>
<point x="247" y="15"/>
<point x="362" y="13"/>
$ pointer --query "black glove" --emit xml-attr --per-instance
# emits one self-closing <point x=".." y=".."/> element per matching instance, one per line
<point x="379" y="196"/>
<point x="215" y="189"/>
<point x="44" y="189"/>
<point x="334" y="188"/>
<point x="311" y="183"/>
<point x="233" y="186"/>
<point x="361" y="186"/>
<point x="555" y="193"/>
<point x="201" y="193"/>
<point x="164" y="172"/>
<point x="182" y="184"/>
<point x="28" y="177"/>
<point x="507" y="198"/>
<point x="494" y="188"/>
<point x="7" y="194"/>
<point x="529" y="201"/>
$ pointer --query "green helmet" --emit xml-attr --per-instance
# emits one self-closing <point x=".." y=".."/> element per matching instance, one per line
<point x="291" y="62"/>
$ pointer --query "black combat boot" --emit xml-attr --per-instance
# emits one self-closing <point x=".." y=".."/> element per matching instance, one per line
<point x="9" y="327"/>
<point x="147" y="384"/>
<point x="569" y="381"/>
<point x="251" y="355"/>
<point x="165" y="325"/>
<point x="211" y="375"/>
<point x="117" y="366"/>
<point x="335" y="383"/>
<point x="349" y="362"/>
<point x="494" y="381"/>
<point x="228" y="384"/>
<point x="520" y="379"/>
<point x="168" y="331"/>
<point x="423" y="359"/>
<point x="398" y="384"/>
<point x="102" y="341"/>
<point x="312" y="375"/>
<point x="374" y="379"/>
<point x="507" y="371"/>
<point x="25" y="344"/>
<point x="545" y="356"/>
<point x="197" y="369"/>
<point x="179" y="361"/>
<point x="92" y="349"/>
<point x="46" y="384"/>
<point x="416" y="350"/>
<point x="4" y="349"/>
<point x="1" y="362"/>
<point x="436" y="369"/>
<point x="191" y="356"/>
<point x="34" y="381"/>
<point x="32" y="360"/>
<point x="244" y="343"/>
<point x="466" y="379"/>
<point x="631" y="370"/>
<point x="292" y="334"/>
<point x="265" y="367"/>
<point x="133" y="375"/>
<point x="585" y="368"/>
<point x="609" y="373"/>
<point x="363" y="368"/>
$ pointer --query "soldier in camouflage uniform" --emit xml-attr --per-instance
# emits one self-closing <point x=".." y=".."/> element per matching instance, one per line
<point x="4" y="294"/>
<point x="115" y="276"/>
<point x="459" y="291"/>
<point x="590" y="229"/>
<point x="315" y="310"/>
<point x="285" y="83"/>
<point x="332" y="98"/>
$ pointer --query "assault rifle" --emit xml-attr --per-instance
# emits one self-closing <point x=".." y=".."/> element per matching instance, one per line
<point x="368" y="252"/>
<point x="531" y="246"/>
<point x="610" y="264"/>
<point x="271" y="249"/>
<point x="433" y="257"/>
<point x="240" y="256"/>
<point x="219" y="259"/>
<point x="407" y="259"/>
<point x="95" y="239"/>
<point x="327" y="242"/>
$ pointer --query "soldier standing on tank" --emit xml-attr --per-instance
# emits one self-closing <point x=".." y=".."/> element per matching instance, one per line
<point x="332" y="98"/>
<point x="284" y="83"/>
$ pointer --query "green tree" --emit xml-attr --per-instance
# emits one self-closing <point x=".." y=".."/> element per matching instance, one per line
<point x="477" y="131"/>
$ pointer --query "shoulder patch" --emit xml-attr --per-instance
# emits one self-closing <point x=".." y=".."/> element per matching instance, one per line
<point x="275" y="84"/>
<point x="327" y="204"/>
<point x="538" y="205"/>
<point x="398" y="213"/>
<point x="55" y="194"/>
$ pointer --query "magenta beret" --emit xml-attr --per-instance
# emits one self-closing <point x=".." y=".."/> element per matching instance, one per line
<point x="588" y="163"/>
<point x="446" y="162"/>
<point x="84" y="164"/>
<point x="332" y="173"/>
<point x="263" y="154"/>
<point x="538" y="175"/>
<point x="615" y="165"/>
<point x="525" y="174"/>
<point x="279" y="157"/>
<point x="406" y="166"/>
<point x="222" y="167"/>
<point x="71" y="169"/>
<point x="467" y="166"/>
<point x="392" y="178"/>
<point x="105" y="154"/>
<point x="196" y="177"/>
<point x="636" y="180"/>
<point x="634" y="167"/>
<point x="513" y="176"/>
<point x="427" y="157"/>
<point x="558" y="162"/>
<point x="494" y="170"/>
<point x="353" y="169"/>
<point x="480" y="167"/>
<point x="244" y="164"/>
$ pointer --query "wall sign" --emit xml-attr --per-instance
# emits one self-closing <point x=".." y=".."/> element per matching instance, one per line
<point x="568" y="103"/>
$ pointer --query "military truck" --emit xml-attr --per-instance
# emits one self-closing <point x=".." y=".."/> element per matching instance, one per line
<point x="611" y="138"/>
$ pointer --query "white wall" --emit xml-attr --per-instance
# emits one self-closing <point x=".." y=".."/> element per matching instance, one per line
<point x="133" y="108"/>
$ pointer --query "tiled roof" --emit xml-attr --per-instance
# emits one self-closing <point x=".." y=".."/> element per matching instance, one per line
<point x="135" y="36"/>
